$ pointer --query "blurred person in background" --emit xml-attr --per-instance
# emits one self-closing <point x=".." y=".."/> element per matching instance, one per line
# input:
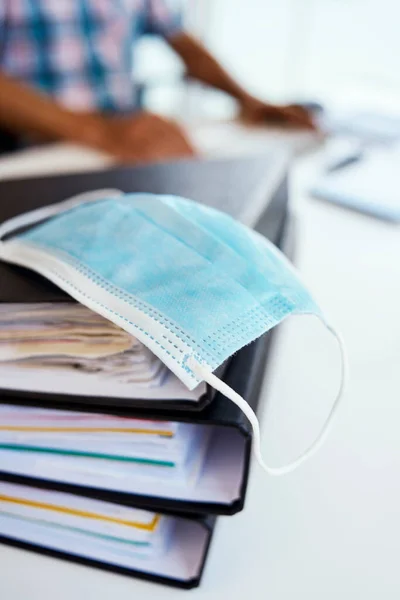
<point x="67" y="73"/>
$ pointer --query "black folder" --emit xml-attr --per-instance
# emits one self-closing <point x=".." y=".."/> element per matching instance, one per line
<point x="252" y="190"/>
<point x="244" y="372"/>
<point x="223" y="488"/>
<point x="180" y="563"/>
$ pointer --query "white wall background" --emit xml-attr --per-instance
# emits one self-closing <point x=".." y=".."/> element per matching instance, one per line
<point x="345" y="51"/>
<point x="250" y="37"/>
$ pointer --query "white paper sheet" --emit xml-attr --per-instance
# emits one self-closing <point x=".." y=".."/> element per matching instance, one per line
<point x="67" y="349"/>
<point x="218" y="480"/>
<point x="370" y="185"/>
<point x="114" y="534"/>
<point x="147" y="529"/>
<point x="162" y="450"/>
<point x="182" y="561"/>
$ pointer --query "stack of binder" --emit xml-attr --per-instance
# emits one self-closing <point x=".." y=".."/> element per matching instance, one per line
<point x="106" y="459"/>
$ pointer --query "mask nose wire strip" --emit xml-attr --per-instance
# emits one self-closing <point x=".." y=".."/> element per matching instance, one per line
<point x="227" y="391"/>
<point x="45" y="212"/>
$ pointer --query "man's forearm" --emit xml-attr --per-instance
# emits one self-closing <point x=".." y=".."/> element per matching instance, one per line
<point x="201" y="65"/>
<point x="25" y="111"/>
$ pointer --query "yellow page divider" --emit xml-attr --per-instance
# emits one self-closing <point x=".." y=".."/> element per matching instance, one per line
<point x="80" y="513"/>
<point x="28" y="428"/>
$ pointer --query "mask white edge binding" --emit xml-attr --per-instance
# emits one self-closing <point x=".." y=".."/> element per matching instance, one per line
<point x="200" y="371"/>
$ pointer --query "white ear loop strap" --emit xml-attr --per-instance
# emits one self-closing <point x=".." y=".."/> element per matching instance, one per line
<point x="227" y="391"/>
<point x="45" y="212"/>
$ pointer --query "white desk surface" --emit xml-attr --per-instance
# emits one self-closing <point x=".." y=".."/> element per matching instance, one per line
<point x="210" y="138"/>
<point x="332" y="529"/>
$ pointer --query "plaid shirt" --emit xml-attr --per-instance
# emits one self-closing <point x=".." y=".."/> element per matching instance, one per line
<point x="79" y="51"/>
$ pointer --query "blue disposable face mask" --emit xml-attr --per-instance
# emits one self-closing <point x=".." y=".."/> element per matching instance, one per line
<point x="188" y="281"/>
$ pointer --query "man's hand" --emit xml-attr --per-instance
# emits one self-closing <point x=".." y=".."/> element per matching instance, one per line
<point x="258" y="112"/>
<point x="201" y="65"/>
<point x="139" y="138"/>
<point x="142" y="137"/>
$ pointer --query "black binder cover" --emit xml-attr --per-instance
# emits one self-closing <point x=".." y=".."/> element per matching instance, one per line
<point x="228" y="185"/>
<point x="206" y="522"/>
<point x="244" y="373"/>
